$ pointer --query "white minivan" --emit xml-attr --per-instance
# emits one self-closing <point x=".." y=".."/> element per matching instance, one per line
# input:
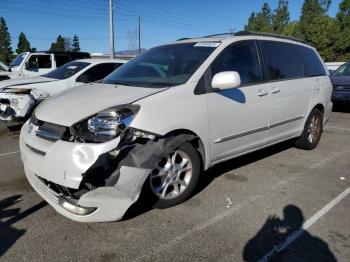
<point x="158" y="121"/>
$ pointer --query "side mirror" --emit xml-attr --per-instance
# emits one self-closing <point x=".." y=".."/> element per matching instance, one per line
<point x="226" y="80"/>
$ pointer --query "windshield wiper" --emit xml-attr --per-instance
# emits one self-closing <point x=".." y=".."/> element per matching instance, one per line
<point x="121" y="83"/>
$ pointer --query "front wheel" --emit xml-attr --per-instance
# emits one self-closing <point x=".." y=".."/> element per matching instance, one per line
<point x="312" y="131"/>
<point x="175" y="177"/>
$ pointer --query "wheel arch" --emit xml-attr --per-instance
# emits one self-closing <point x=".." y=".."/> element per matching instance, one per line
<point x="197" y="143"/>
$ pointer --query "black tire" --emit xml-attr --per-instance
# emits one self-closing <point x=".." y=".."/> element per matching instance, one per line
<point x="305" y="141"/>
<point x="186" y="194"/>
<point x="14" y="128"/>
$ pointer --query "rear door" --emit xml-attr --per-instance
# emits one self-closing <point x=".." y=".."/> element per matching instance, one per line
<point x="238" y="117"/>
<point x="290" y="92"/>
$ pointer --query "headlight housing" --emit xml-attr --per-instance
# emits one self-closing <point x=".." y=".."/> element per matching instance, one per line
<point x="106" y="125"/>
<point x="18" y="91"/>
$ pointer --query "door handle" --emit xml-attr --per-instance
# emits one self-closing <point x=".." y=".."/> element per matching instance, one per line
<point x="262" y="92"/>
<point x="275" y="90"/>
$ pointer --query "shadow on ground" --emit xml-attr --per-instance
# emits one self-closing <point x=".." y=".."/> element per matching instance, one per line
<point x="285" y="240"/>
<point x="146" y="201"/>
<point x="341" y="108"/>
<point x="8" y="216"/>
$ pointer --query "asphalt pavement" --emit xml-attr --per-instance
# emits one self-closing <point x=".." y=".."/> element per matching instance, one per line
<point x="280" y="204"/>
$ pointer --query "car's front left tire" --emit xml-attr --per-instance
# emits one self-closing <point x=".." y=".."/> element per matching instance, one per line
<point x="176" y="176"/>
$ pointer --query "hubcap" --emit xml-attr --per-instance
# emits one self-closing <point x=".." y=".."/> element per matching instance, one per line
<point x="314" y="129"/>
<point x="172" y="175"/>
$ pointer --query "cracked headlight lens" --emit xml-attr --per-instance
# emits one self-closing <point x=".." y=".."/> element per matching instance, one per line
<point x="107" y="124"/>
<point x="19" y="91"/>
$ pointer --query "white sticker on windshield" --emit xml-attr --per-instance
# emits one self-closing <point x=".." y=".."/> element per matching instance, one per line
<point x="72" y="67"/>
<point x="207" y="44"/>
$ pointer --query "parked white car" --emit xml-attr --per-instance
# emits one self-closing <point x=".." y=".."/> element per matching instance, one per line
<point x="3" y="67"/>
<point x="39" y="63"/>
<point x="158" y="121"/>
<point x="20" y="96"/>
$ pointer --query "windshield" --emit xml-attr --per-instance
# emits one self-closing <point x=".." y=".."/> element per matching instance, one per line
<point x="67" y="70"/>
<point x="18" y="60"/>
<point x="343" y="70"/>
<point x="162" y="66"/>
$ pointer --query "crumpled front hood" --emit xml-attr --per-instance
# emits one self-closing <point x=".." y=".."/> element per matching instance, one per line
<point x="340" y="80"/>
<point x="71" y="106"/>
<point x="23" y="82"/>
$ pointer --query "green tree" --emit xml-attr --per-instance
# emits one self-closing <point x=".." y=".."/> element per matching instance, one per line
<point x="342" y="44"/>
<point x="261" y="21"/>
<point x="75" y="44"/>
<point x="292" y="30"/>
<point x="280" y="18"/>
<point x="312" y="9"/>
<point x="23" y="44"/>
<point x="321" y="35"/>
<point x="6" y="52"/>
<point x="59" y="45"/>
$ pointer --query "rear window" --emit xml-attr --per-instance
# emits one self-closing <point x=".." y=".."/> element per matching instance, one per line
<point x="312" y="63"/>
<point x="281" y="61"/>
<point x="67" y="70"/>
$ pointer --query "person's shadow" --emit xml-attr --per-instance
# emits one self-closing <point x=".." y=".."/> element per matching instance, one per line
<point x="277" y="241"/>
<point x="8" y="216"/>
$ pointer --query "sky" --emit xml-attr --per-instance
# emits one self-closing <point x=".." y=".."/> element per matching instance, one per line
<point x="162" y="21"/>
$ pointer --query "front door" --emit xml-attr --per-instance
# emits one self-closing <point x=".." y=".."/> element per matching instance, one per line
<point x="238" y="117"/>
<point x="38" y="64"/>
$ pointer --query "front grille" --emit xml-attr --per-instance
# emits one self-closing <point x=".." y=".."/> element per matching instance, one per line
<point x="51" y="132"/>
<point x="4" y="101"/>
<point x="341" y="88"/>
<point x="48" y="131"/>
<point x="73" y="194"/>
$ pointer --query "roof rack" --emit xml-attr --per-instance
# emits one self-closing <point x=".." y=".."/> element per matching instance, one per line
<point x="244" y="33"/>
<point x="247" y="33"/>
<point x="222" y="34"/>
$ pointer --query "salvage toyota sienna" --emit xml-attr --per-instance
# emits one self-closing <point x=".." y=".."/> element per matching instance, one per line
<point x="159" y="121"/>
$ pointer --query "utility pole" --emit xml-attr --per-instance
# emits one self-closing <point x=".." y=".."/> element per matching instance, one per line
<point x="111" y="30"/>
<point x="232" y="31"/>
<point x="139" y="33"/>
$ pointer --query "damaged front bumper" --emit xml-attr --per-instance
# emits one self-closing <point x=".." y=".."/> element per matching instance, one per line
<point x="15" y="106"/>
<point x="55" y="169"/>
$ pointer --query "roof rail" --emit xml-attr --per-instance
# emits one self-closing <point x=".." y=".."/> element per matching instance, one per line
<point x="222" y="34"/>
<point x="247" y="33"/>
<point x="244" y="33"/>
<point x="184" y="38"/>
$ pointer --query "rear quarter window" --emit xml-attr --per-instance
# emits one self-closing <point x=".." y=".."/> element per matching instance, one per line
<point x="311" y="62"/>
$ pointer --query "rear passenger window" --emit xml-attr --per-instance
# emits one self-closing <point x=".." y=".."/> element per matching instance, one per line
<point x="97" y="72"/>
<point x="312" y="64"/>
<point x="281" y="61"/>
<point x="241" y="57"/>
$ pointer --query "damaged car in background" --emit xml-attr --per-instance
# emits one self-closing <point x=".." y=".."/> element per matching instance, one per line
<point x="155" y="124"/>
<point x="20" y="96"/>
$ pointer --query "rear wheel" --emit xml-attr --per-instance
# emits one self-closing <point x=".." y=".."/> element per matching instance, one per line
<point x="312" y="131"/>
<point x="175" y="177"/>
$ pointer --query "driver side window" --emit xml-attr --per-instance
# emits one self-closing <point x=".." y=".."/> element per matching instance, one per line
<point x="241" y="57"/>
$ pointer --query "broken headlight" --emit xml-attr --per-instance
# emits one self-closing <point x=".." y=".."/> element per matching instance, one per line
<point x="18" y="91"/>
<point x="107" y="124"/>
